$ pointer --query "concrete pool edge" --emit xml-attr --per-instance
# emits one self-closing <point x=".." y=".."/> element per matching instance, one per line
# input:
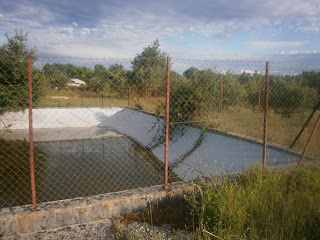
<point x="20" y="220"/>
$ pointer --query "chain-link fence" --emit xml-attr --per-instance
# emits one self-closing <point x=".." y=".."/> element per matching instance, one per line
<point x="99" y="125"/>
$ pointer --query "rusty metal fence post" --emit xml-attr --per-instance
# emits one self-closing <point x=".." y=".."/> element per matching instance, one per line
<point x="196" y="81"/>
<point x="221" y="102"/>
<point x="265" y="127"/>
<point x="309" y="140"/>
<point x="128" y="96"/>
<point x="146" y="98"/>
<point x="167" y="123"/>
<point x="58" y="96"/>
<point x="102" y="92"/>
<point x="81" y="98"/>
<point x="259" y="103"/>
<point x="305" y="125"/>
<point x="33" y="187"/>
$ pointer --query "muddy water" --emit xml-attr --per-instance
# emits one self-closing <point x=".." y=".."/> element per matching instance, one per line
<point x="75" y="168"/>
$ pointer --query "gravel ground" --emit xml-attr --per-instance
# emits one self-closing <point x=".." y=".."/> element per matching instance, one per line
<point x="146" y="231"/>
<point x="106" y="230"/>
<point x="90" y="231"/>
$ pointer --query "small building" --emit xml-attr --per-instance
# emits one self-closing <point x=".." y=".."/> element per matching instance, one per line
<point x="76" y="82"/>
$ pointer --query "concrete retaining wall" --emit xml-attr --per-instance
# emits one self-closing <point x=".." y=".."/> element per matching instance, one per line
<point x="19" y="220"/>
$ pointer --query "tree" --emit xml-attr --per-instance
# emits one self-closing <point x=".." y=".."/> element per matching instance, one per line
<point x="56" y="75"/>
<point x="14" y="73"/>
<point x="183" y="102"/>
<point x="149" y="67"/>
<point x="49" y="69"/>
<point x="97" y="84"/>
<point x="116" y="67"/>
<point x="100" y="80"/>
<point x="59" y="80"/>
<point x="99" y="70"/>
<point x="245" y="77"/>
<point x="118" y="78"/>
<point x="252" y="93"/>
<point x="206" y="87"/>
<point x="311" y="79"/>
<point x="150" y="56"/>
<point x="233" y="91"/>
<point x="288" y="98"/>
<point x="84" y="73"/>
<point x="191" y="73"/>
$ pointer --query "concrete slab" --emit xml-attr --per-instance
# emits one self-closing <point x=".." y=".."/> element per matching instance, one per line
<point x="59" y="134"/>
<point x="218" y="155"/>
<point x="180" y="144"/>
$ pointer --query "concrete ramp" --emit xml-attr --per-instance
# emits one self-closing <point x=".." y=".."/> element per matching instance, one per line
<point x="191" y="154"/>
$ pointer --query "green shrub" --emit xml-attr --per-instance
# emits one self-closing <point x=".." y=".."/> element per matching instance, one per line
<point x="288" y="98"/>
<point x="182" y="103"/>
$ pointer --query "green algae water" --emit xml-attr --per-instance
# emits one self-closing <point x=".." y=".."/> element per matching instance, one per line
<point x="75" y="168"/>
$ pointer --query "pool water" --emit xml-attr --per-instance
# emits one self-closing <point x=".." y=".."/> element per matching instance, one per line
<point x="76" y="168"/>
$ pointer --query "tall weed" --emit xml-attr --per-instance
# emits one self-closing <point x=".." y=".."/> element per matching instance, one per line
<point x="261" y="204"/>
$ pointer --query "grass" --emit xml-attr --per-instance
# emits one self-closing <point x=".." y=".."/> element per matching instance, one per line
<point x="72" y="98"/>
<point x="261" y="204"/>
<point x="279" y="203"/>
<point x="76" y="98"/>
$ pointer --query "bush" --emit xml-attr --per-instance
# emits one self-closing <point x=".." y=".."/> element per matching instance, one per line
<point x="252" y="93"/>
<point x="182" y="103"/>
<point x="233" y="91"/>
<point x="97" y="85"/>
<point x="58" y="80"/>
<point x="288" y="98"/>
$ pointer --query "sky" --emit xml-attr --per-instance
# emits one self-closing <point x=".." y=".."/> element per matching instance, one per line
<point x="198" y="29"/>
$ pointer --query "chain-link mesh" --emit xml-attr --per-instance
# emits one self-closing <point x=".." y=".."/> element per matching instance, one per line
<point x="14" y="155"/>
<point x="99" y="124"/>
<point x="294" y="95"/>
<point x="219" y="107"/>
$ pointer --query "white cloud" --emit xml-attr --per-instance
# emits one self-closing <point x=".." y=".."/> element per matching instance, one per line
<point x="293" y="52"/>
<point x="124" y="29"/>
<point x="277" y="44"/>
<point x="308" y="28"/>
<point x="68" y="30"/>
<point x="85" y="31"/>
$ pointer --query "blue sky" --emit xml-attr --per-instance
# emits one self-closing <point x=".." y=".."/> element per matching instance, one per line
<point x="286" y="29"/>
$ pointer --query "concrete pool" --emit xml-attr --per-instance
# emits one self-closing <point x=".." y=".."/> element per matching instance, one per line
<point x="112" y="149"/>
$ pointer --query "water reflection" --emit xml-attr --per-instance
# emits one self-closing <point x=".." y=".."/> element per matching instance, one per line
<point x="78" y="168"/>
<point x="15" y="183"/>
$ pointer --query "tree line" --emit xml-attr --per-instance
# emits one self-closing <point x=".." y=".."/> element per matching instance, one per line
<point x="201" y="87"/>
